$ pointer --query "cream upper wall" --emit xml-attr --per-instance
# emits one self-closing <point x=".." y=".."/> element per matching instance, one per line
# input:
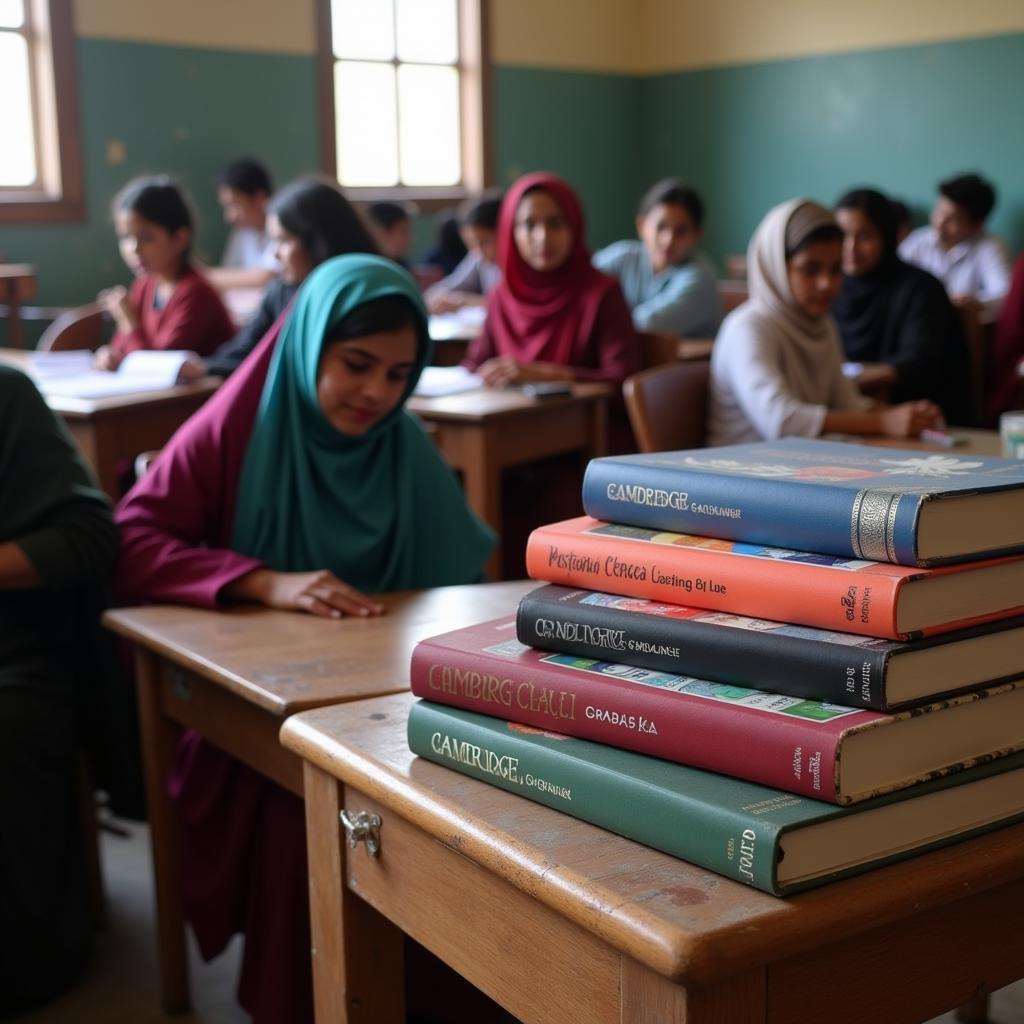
<point x="623" y="36"/>
<point x="591" y="35"/>
<point x="276" y="26"/>
<point x="683" y="34"/>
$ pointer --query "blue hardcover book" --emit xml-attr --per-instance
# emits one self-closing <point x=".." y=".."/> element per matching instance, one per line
<point x="881" y="504"/>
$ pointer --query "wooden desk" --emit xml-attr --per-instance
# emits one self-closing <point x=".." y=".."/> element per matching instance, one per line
<point x="979" y="442"/>
<point x="480" y="433"/>
<point x="18" y="283"/>
<point x="110" y="430"/>
<point x="695" y="349"/>
<point x="563" y="923"/>
<point x="235" y="676"/>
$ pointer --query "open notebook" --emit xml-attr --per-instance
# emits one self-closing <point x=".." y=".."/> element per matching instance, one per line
<point x="71" y="374"/>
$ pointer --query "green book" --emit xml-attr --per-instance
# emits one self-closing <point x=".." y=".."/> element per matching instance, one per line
<point x="775" y="841"/>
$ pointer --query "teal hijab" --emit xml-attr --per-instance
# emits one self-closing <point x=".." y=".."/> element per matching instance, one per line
<point x="381" y="511"/>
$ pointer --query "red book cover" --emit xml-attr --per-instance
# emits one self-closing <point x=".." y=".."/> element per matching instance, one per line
<point x="785" y="742"/>
<point x="824" y="591"/>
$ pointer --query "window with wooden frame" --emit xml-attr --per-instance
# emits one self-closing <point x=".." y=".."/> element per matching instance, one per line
<point x="403" y="97"/>
<point x="40" y="153"/>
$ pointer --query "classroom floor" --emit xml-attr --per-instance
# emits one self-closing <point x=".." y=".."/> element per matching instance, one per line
<point x="121" y="989"/>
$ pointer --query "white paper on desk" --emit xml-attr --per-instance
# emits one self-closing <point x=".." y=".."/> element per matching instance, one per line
<point x="48" y="365"/>
<point x="461" y="323"/>
<point x="139" y="371"/>
<point x="446" y="380"/>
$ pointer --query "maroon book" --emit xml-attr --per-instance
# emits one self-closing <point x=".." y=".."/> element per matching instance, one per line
<point x="824" y="751"/>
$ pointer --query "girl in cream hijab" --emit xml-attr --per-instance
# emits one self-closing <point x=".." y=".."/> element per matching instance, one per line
<point x="776" y="368"/>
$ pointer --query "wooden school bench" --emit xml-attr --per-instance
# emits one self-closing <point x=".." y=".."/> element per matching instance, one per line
<point x="235" y="675"/>
<point x="563" y="923"/>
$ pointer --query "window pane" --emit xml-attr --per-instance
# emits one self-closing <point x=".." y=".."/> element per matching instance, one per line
<point x="428" y="105"/>
<point x="17" y="153"/>
<point x="12" y="13"/>
<point x="363" y="29"/>
<point x="364" y="99"/>
<point x="428" y="31"/>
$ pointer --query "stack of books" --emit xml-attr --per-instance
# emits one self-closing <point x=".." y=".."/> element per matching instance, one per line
<point x="826" y="675"/>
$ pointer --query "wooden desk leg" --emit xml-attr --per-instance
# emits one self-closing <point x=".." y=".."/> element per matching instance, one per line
<point x="481" y="481"/>
<point x="647" y="996"/>
<point x="358" y="954"/>
<point x="159" y="735"/>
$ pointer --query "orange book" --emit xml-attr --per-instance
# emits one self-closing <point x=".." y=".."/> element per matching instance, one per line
<point x="825" y="591"/>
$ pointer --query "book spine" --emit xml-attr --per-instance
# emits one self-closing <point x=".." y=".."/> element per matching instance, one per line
<point x="778" y="750"/>
<point x="873" y="524"/>
<point x="678" y="823"/>
<point x="763" y="660"/>
<point x="810" y="595"/>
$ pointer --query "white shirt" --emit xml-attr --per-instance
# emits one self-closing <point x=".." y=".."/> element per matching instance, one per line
<point x="978" y="266"/>
<point x="249" y="248"/>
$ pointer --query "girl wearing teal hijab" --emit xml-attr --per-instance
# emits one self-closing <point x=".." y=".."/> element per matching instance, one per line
<point x="366" y="496"/>
<point x="302" y="484"/>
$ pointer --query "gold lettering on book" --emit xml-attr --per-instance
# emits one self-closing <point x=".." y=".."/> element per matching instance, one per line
<point x="505" y="766"/>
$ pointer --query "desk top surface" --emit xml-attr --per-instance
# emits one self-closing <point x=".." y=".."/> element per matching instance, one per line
<point x="287" y="661"/>
<point x="499" y="403"/>
<point x="680" y="920"/>
<point x="72" y="407"/>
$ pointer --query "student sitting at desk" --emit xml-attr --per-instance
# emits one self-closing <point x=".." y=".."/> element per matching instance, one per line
<point x="58" y="545"/>
<point x="249" y="261"/>
<point x="553" y="317"/>
<point x="302" y="485"/>
<point x="668" y="284"/>
<point x="391" y="227"/>
<point x="477" y="274"/>
<point x="891" y="312"/>
<point x="170" y="305"/>
<point x="776" y="368"/>
<point x="310" y="221"/>
<point x="955" y="247"/>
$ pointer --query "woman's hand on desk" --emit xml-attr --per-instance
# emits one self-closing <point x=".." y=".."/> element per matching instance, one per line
<point x="117" y="303"/>
<point x="318" y="593"/>
<point x="105" y="358"/>
<point x="504" y="371"/>
<point x="910" y="418"/>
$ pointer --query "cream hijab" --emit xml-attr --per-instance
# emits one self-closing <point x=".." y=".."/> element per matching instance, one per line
<point x="785" y="227"/>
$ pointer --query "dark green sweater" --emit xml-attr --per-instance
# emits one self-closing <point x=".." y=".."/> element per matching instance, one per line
<point x="52" y="509"/>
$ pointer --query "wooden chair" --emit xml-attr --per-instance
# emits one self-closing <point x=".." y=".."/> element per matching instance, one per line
<point x="658" y="348"/>
<point x="732" y="294"/>
<point x="81" y="328"/>
<point x="978" y="336"/>
<point x="668" y="405"/>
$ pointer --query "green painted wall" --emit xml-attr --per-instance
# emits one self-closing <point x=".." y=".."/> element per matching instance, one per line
<point x="746" y="136"/>
<point x="900" y="119"/>
<point x="180" y="111"/>
<point x="581" y="125"/>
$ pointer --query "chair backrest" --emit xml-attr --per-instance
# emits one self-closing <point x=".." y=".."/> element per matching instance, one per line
<point x="658" y="348"/>
<point x="732" y="294"/>
<point x="79" y="328"/>
<point x="978" y="336"/>
<point x="668" y="406"/>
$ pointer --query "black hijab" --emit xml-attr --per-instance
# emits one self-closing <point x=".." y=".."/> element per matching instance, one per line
<point x="901" y="315"/>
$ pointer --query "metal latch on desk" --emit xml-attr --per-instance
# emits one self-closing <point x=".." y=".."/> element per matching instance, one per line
<point x="363" y="827"/>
